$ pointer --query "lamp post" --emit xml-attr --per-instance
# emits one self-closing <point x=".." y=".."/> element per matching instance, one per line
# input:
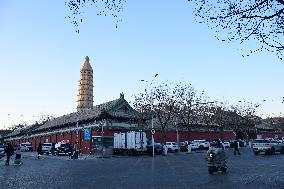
<point x="176" y="123"/>
<point x="152" y="117"/>
<point x="102" y="135"/>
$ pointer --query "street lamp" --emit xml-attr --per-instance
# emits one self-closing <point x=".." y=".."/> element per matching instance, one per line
<point x="103" y="123"/>
<point x="176" y="123"/>
<point x="152" y="116"/>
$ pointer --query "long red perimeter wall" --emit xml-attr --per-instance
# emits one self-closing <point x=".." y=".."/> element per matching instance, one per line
<point x="85" y="147"/>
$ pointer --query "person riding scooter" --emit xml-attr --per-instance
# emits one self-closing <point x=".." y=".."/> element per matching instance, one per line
<point x="216" y="157"/>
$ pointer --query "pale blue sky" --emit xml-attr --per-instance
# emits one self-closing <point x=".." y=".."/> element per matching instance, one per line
<point x="41" y="56"/>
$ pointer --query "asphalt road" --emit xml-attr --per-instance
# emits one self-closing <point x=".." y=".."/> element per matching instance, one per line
<point x="175" y="171"/>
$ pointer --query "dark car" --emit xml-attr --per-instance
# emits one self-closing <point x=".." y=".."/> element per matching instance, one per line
<point x="63" y="149"/>
<point x="158" y="148"/>
<point x="183" y="146"/>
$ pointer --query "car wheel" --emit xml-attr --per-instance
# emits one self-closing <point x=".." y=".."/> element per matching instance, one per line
<point x="201" y="147"/>
<point x="282" y="150"/>
<point x="272" y="151"/>
<point x="170" y="150"/>
<point x="224" y="169"/>
<point x="210" y="170"/>
<point x="256" y="153"/>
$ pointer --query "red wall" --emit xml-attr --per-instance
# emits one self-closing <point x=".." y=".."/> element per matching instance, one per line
<point x="86" y="146"/>
<point x="187" y="136"/>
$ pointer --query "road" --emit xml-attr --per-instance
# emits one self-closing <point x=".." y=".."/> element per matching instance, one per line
<point x="175" y="171"/>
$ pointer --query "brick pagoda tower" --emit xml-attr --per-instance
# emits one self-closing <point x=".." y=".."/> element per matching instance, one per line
<point x="85" y="91"/>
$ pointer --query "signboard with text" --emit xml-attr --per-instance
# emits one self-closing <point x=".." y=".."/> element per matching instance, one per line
<point x="87" y="134"/>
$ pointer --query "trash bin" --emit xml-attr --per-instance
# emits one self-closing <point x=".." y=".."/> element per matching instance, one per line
<point x="165" y="150"/>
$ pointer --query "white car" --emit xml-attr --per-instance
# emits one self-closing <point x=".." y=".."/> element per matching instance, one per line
<point x="46" y="148"/>
<point x="172" y="146"/>
<point x="202" y="144"/>
<point x="226" y="144"/>
<point x="2" y="149"/>
<point x="193" y="146"/>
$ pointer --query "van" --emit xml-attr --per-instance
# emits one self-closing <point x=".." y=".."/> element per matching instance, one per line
<point x="47" y="148"/>
<point x="26" y="147"/>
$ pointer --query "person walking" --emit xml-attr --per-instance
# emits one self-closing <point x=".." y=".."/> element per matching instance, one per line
<point x="39" y="150"/>
<point x="18" y="156"/>
<point x="236" y="147"/>
<point x="9" y="150"/>
<point x="70" y="151"/>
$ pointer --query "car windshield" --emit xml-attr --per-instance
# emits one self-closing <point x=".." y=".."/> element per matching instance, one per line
<point x="65" y="145"/>
<point x="47" y="145"/>
<point x="26" y="145"/>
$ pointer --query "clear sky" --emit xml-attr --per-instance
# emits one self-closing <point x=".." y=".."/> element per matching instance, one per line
<point x="41" y="55"/>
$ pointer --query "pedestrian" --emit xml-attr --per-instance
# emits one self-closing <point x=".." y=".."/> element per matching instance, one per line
<point x="39" y="150"/>
<point x="236" y="147"/>
<point x="9" y="151"/>
<point x="70" y="151"/>
<point x="18" y="156"/>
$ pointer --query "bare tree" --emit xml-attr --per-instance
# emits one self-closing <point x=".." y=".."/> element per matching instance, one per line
<point x="162" y="101"/>
<point x="261" y="20"/>
<point x="191" y="107"/>
<point x="111" y="8"/>
<point x="186" y="105"/>
<point x="17" y="126"/>
<point x="207" y="113"/>
<point x="243" y="115"/>
<point x="220" y="115"/>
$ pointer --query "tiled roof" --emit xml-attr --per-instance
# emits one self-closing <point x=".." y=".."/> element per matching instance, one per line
<point x="15" y="132"/>
<point x="263" y="126"/>
<point x="89" y="114"/>
<point x="110" y="108"/>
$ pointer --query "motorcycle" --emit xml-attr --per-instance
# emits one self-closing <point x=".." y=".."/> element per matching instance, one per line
<point x="216" y="164"/>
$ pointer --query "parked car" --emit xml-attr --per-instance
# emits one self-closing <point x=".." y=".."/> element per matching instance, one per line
<point x="202" y="144"/>
<point x="26" y="147"/>
<point x="158" y="148"/>
<point x="183" y="146"/>
<point x="2" y="150"/>
<point x="226" y="144"/>
<point x="47" y="148"/>
<point x="267" y="146"/>
<point x="194" y="146"/>
<point x="63" y="149"/>
<point x="172" y="146"/>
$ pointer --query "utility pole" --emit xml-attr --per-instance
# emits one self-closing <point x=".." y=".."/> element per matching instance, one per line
<point x="152" y="117"/>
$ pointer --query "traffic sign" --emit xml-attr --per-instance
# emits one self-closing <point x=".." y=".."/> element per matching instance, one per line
<point x="153" y="131"/>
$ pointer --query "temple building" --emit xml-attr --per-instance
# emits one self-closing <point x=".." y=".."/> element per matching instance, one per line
<point x="115" y="115"/>
<point x="102" y="119"/>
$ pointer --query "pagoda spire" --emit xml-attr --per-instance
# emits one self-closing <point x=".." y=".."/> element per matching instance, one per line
<point x="85" y="89"/>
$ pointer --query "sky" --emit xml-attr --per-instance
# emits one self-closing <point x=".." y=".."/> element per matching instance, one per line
<point x="41" y="56"/>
